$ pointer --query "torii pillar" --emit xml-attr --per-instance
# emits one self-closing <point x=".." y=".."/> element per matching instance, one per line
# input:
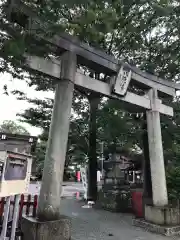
<point x="158" y="177"/>
<point x="147" y="183"/>
<point x="50" y="224"/>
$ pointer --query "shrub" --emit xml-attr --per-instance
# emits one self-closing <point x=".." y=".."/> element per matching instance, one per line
<point x="173" y="183"/>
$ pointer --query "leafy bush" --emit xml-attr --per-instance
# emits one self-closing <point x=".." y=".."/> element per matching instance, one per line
<point x="173" y="183"/>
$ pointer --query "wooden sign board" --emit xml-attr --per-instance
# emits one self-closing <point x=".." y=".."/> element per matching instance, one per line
<point x="15" y="171"/>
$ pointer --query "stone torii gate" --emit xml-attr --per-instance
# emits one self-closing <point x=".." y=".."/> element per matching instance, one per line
<point x="70" y="76"/>
<point x="65" y="72"/>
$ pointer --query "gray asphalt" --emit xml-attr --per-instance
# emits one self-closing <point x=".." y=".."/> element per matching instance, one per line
<point x="93" y="224"/>
<point x="69" y="189"/>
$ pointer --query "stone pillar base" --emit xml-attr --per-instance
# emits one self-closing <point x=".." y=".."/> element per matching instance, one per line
<point x="168" y="231"/>
<point x="162" y="220"/>
<point x="167" y="216"/>
<point x="52" y="230"/>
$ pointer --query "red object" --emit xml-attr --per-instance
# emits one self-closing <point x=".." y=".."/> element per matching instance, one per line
<point x="2" y="203"/>
<point x="137" y="203"/>
<point x="78" y="174"/>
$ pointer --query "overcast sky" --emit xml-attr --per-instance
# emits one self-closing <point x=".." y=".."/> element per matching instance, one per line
<point x="10" y="106"/>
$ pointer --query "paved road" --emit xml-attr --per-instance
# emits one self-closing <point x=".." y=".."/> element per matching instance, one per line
<point x="93" y="224"/>
<point x="69" y="188"/>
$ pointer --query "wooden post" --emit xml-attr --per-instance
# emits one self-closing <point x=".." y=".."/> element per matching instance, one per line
<point x="92" y="164"/>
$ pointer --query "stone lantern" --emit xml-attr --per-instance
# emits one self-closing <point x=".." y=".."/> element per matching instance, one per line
<point x="115" y="193"/>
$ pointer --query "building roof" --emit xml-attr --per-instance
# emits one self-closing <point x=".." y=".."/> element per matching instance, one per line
<point x="19" y="137"/>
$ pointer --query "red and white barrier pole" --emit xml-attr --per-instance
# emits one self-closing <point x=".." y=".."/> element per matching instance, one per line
<point x="78" y="175"/>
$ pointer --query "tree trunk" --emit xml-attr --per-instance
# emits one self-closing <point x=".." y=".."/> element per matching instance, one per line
<point x="92" y="164"/>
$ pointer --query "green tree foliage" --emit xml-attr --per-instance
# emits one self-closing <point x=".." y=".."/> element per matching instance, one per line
<point x="124" y="28"/>
<point x="113" y="126"/>
<point x="40" y="116"/>
<point x="9" y="126"/>
<point x="117" y="126"/>
<point x="39" y="157"/>
<point x="143" y="33"/>
<point x="173" y="183"/>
